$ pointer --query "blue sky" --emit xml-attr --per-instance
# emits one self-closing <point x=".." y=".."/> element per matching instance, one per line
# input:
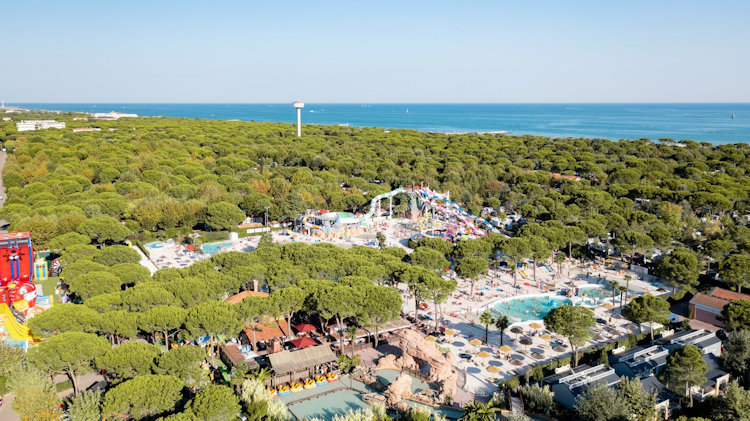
<point x="376" y="51"/>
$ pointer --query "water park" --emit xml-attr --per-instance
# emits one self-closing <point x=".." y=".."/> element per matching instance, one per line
<point x="428" y="213"/>
<point x="21" y="278"/>
<point x="471" y="365"/>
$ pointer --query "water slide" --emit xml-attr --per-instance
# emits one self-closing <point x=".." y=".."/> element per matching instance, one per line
<point x="375" y="200"/>
<point x="544" y="265"/>
<point x="523" y="273"/>
<point x="17" y="331"/>
<point x="373" y="205"/>
<point x="453" y="209"/>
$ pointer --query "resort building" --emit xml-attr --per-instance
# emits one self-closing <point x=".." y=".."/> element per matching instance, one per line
<point x="707" y="307"/>
<point x="666" y="400"/>
<point x="289" y="366"/>
<point x="30" y="125"/>
<point x="86" y="129"/>
<point x="707" y="341"/>
<point x="112" y="115"/>
<point x="572" y="382"/>
<point x="640" y="362"/>
<point x="717" y="379"/>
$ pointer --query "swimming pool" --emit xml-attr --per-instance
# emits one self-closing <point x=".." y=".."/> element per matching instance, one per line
<point x="527" y="308"/>
<point x="388" y="376"/>
<point x="326" y="407"/>
<point x="211" y="248"/>
<point x="154" y="245"/>
<point x="593" y="295"/>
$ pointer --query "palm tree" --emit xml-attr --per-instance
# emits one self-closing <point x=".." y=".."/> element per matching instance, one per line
<point x="560" y="259"/>
<point x="261" y="374"/>
<point x="479" y="411"/>
<point x="628" y="278"/>
<point x="623" y="291"/>
<point x="351" y="335"/>
<point x="502" y="323"/>
<point x="614" y="285"/>
<point x="486" y="319"/>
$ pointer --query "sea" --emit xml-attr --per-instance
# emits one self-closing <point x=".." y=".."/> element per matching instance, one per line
<point x="705" y="122"/>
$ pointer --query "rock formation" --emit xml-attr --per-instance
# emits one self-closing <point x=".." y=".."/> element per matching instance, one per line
<point x="415" y="345"/>
<point x="399" y="389"/>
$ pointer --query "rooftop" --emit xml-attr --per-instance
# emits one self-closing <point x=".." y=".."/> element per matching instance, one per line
<point x="236" y="298"/>
<point x="293" y="361"/>
<point x="728" y="294"/>
<point x="709" y="301"/>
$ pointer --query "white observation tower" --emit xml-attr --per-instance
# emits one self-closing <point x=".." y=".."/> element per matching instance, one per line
<point x="299" y="105"/>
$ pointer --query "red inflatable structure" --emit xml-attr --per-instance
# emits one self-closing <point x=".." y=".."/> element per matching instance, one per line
<point x="16" y="258"/>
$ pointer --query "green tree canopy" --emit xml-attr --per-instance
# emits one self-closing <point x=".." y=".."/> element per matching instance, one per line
<point x="735" y="270"/>
<point x="70" y="353"/>
<point x="215" y="403"/>
<point x="129" y="360"/>
<point x="736" y="315"/>
<point x="573" y="322"/>
<point x="647" y="309"/>
<point x="685" y="368"/>
<point x="142" y="397"/>
<point x="680" y="268"/>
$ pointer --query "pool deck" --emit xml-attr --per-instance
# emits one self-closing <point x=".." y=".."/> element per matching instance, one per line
<point x="462" y="309"/>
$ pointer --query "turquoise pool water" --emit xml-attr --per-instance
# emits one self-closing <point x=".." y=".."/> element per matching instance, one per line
<point x="212" y="248"/>
<point x="154" y="245"/>
<point x="529" y="308"/>
<point x="325" y="407"/>
<point x="341" y="401"/>
<point x="388" y="376"/>
<point x="594" y="295"/>
<point x="451" y="414"/>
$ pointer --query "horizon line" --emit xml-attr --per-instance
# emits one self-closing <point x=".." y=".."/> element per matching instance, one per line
<point x="389" y="103"/>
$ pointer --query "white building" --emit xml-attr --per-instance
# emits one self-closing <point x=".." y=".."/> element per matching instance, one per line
<point x="28" y="125"/>
<point x="112" y="115"/>
<point x="86" y="129"/>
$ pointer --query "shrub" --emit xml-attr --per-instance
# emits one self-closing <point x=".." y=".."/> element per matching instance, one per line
<point x="538" y="399"/>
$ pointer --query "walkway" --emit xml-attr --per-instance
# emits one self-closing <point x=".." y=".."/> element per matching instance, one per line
<point x="145" y="261"/>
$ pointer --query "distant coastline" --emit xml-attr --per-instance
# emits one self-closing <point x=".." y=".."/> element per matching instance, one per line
<point x="710" y="122"/>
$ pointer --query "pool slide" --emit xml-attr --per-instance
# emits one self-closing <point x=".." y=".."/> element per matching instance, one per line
<point x="378" y="198"/>
<point x="544" y="265"/>
<point x="453" y="209"/>
<point x="17" y="331"/>
<point x="523" y="273"/>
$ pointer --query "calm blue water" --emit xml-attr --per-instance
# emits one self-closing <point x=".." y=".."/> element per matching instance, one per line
<point x="529" y="308"/>
<point x="211" y="248"/>
<point x="699" y="122"/>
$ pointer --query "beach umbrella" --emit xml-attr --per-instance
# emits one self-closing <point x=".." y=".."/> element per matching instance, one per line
<point x="475" y="342"/>
<point x="505" y="348"/>
<point x="517" y="331"/>
<point x="430" y="338"/>
<point x="450" y="332"/>
<point x="537" y="355"/>
<point x="525" y="341"/>
<point x="484" y="354"/>
<point x="516" y="362"/>
<point x="558" y="348"/>
<point x="536" y="325"/>
<point x="493" y="369"/>
<point x="608" y="306"/>
<point x="598" y="338"/>
<point x="546" y="336"/>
